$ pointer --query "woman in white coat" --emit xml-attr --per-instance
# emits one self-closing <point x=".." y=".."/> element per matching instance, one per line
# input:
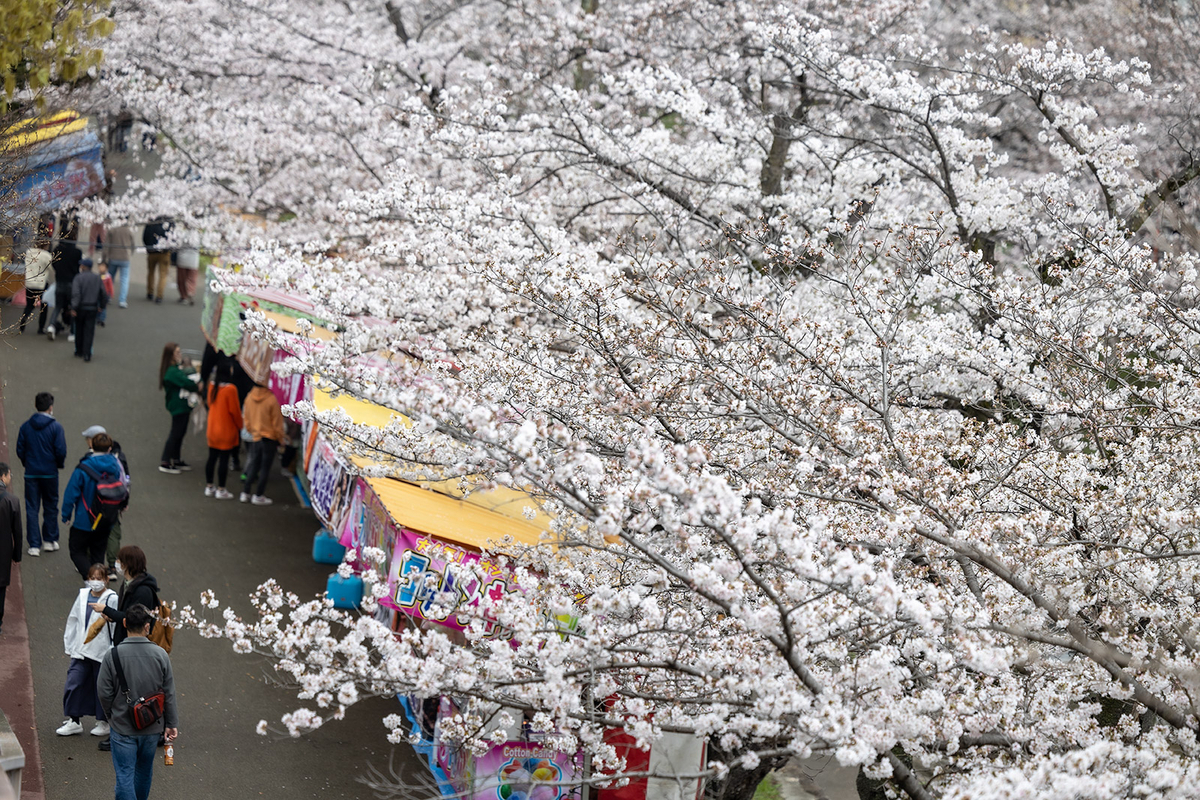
<point x="80" y="698"/>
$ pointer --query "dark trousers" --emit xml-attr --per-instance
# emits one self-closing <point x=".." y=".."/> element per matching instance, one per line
<point x="85" y="331"/>
<point x="114" y="544"/>
<point x="258" y="465"/>
<point x="3" y="591"/>
<point x="31" y="298"/>
<point x="41" y="492"/>
<point x="80" y="698"/>
<point x="171" y="451"/>
<point x="87" y="546"/>
<point x="218" y="460"/>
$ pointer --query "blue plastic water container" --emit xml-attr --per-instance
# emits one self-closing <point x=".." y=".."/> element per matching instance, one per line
<point x="327" y="549"/>
<point x="345" y="593"/>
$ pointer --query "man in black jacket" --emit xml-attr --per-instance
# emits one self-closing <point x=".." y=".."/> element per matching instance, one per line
<point x="10" y="534"/>
<point x="87" y="298"/>
<point x="158" y="256"/>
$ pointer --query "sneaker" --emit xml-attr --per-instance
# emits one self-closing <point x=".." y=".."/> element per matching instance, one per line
<point x="123" y="305"/>
<point x="259" y="500"/>
<point x="210" y="490"/>
<point x="50" y="334"/>
<point x="70" y="728"/>
<point x="50" y="547"/>
<point x="149" y="295"/>
<point x="223" y="494"/>
<point x="242" y="498"/>
<point x="112" y="574"/>
<point x="101" y="729"/>
<point x="287" y="473"/>
<point x="167" y="468"/>
<point x="183" y="466"/>
<point x="36" y="551"/>
<point x="158" y="300"/>
<point x="105" y="745"/>
<point x="70" y="337"/>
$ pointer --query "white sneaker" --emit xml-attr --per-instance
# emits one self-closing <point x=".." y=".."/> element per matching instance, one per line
<point x="123" y="305"/>
<point x="243" y="498"/>
<point x="101" y="729"/>
<point x="209" y="491"/>
<point x="70" y="337"/>
<point x="70" y="728"/>
<point x="50" y="333"/>
<point x="49" y="547"/>
<point x="259" y="500"/>
<point x="35" y="552"/>
<point x="223" y="494"/>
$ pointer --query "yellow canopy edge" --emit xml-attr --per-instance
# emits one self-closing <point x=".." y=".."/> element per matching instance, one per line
<point x="446" y="518"/>
<point x="288" y="324"/>
<point x="40" y="129"/>
<point x="362" y="412"/>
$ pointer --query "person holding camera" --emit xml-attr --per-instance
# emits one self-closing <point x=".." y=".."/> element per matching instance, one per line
<point x="137" y="692"/>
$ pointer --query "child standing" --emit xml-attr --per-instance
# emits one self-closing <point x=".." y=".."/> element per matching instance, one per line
<point x="79" y="695"/>
<point x="107" y="281"/>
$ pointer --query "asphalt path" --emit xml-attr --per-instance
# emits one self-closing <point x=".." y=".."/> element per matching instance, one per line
<point x="192" y="543"/>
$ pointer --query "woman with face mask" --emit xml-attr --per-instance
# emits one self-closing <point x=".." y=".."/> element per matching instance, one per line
<point x="79" y="695"/>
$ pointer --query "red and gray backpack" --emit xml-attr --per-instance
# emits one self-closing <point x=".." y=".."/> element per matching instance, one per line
<point x="111" y="495"/>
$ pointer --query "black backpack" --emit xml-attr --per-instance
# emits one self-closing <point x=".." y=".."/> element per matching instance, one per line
<point x="112" y="493"/>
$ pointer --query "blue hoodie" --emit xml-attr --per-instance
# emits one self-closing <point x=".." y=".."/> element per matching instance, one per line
<point x="81" y="489"/>
<point x="42" y="446"/>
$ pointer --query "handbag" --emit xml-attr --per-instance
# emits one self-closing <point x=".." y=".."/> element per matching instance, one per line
<point x="147" y="710"/>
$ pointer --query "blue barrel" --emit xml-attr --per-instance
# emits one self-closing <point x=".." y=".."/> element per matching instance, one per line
<point x="327" y="549"/>
<point x="345" y="593"/>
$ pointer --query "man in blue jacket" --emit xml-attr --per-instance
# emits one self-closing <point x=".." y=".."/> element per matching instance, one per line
<point x="89" y="533"/>
<point x="42" y="450"/>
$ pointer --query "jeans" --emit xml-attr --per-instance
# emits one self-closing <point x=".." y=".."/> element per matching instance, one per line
<point x="43" y="492"/>
<point x="85" y="332"/>
<point x="258" y="465"/>
<point x="133" y="762"/>
<point x="160" y="263"/>
<point x="171" y="451"/>
<point x="120" y="274"/>
<point x="87" y="546"/>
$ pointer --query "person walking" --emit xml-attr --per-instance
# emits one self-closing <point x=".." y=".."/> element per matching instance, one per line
<point x="178" y="381"/>
<point x="264" y="422"/>
<point x="136" y="668"/>
<point x="89" y="532"/>
<point x="38" y="269"/>
<point x="66" y="257"/>
<point x="88" y="298"/>
<point x="80" y="698"/>
<point x="10" y="534"/>
<point x="139" y="588"/>
<point x="224" y="431"/>
<point x="114" y="535"/>
<point x="42" y="451"/>
<point x="158" y="257"/>
<point x="187" y="268"/>
<point x="120" y="256"/>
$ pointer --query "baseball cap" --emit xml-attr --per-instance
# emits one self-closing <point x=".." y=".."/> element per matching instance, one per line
<point x="95" y="430"/>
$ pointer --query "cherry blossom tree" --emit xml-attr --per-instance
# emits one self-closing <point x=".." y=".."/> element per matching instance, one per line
<point x="834" y="338"/>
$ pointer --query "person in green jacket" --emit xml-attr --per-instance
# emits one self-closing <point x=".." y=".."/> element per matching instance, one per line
<point x="178" y="379"/>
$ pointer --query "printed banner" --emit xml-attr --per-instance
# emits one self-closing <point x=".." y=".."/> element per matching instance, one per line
<point x="256" y="356"/>
<point x="288" y="389"/>
<point x="514" y="771"/>
<point x="422" y="581"/>
<point x="366" y="522"/>
<point x="330" y="484"/>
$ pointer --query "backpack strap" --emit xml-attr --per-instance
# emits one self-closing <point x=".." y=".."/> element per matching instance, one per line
<point x="121" y="673"/>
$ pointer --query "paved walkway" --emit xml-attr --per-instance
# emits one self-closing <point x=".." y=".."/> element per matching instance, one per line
<point x="192" y="543"/>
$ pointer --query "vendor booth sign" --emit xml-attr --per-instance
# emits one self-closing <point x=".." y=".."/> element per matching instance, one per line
<point x="330" y="483"/>
<point x="518" y="771"/>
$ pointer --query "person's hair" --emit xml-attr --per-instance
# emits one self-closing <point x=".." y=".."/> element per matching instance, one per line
<point x="4" y="470"/>
<point x="168" y="358"/>
<point x="137" y="617"/>
<point x="43" y="401"/>
<point x="102" y="443"/>
<point x="98" y="569"/>
<point x="132" y="559"/>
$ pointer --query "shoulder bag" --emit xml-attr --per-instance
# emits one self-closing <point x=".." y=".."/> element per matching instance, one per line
<point x="147" y="710"/>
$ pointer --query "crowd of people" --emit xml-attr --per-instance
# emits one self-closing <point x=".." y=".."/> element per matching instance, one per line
<point x="69" y="291"/>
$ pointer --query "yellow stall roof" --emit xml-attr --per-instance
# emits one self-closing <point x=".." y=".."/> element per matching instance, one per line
<point x="39" y="129"/>
<point x="446" y="518"/>
<point x="288" y="324"/>
<point x="362" y="412"/>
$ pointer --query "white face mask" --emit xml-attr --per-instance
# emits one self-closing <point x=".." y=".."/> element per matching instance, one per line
<point x="97" y="586"/>
<point x="117" y="567"/>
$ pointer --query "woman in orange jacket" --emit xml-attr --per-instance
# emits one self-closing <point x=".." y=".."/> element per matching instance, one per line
<point x="264" y="423"/>
<point x="224" y="430"/>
